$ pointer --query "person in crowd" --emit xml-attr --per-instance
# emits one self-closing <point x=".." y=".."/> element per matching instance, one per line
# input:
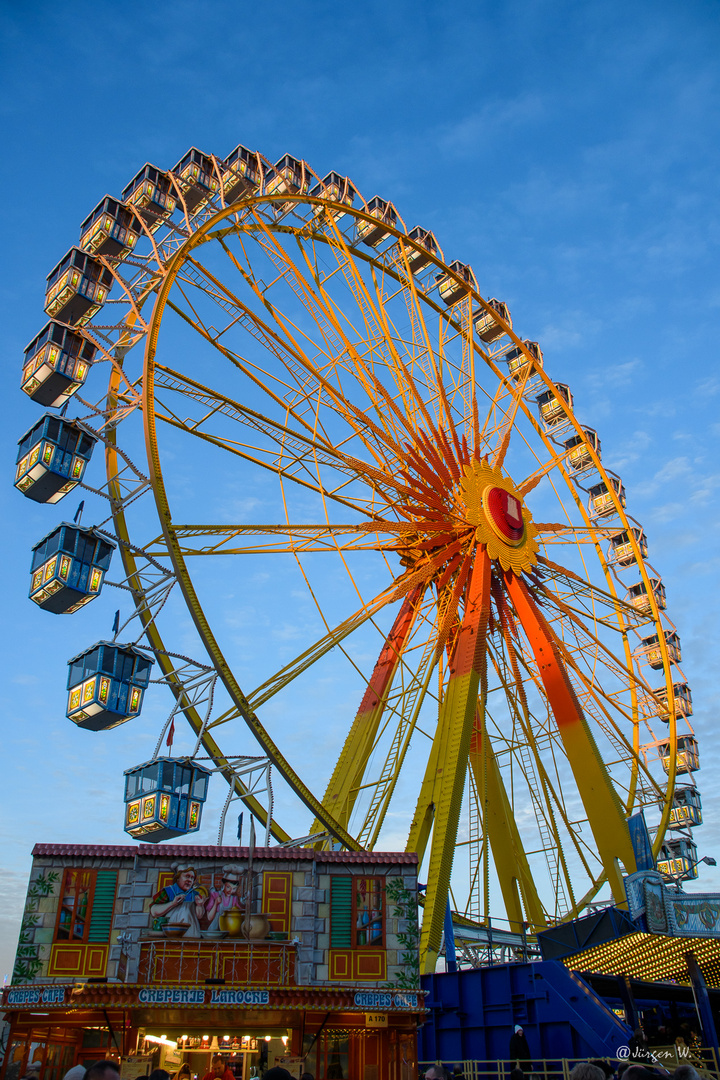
<point x="606" y="1067"/>
<point x="184" y="1072"/>
<point x="458" y="1073"/>
<point x="159" y="1074"/>
<point x="76" y="1073"/>
<point x="686" y="1072"/>
<point x="585" y="1070"/>
<point x="219" y="1069"/>
<point x="517" y="1074"/>
<point x="103" y="1070"/>
<point x="643" y="1072"/>
<point x="520" y="1050"/>
<point x="307" y="1076"/>
<point x="638" y="1046"/>
<point x="437" y="1072"/>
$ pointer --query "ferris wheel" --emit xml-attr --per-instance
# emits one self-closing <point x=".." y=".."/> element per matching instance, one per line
<point x="423" y="494"/>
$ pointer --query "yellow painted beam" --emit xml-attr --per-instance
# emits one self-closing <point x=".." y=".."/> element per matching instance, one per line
<point x="455" y="726"/>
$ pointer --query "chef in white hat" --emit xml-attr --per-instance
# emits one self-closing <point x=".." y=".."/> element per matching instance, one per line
<point x="224" y="899"/>
<point x="181" y="902"/>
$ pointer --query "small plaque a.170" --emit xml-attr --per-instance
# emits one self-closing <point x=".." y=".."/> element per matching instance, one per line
<point x="376" y="1020"/>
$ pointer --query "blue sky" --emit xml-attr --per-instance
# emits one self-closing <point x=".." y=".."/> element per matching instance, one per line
<point x="568" y="151"/>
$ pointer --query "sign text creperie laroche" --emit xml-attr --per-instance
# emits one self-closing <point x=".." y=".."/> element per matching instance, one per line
<point x="28" y="996"/>
<point x="182" y="996"/>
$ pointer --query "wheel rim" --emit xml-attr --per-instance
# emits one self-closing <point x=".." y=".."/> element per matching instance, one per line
<point x="547" y="802"/>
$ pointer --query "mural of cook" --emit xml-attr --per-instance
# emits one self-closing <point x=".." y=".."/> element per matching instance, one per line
<point x="225" y="899"/>
<point x="182" y="903"/>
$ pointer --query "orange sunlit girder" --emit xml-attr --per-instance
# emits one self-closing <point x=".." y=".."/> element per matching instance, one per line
<point x="342" y="791"/>
<point x="601" y="802"/>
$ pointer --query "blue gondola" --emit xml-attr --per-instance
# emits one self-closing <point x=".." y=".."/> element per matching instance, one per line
<point x="56" y="364"/>
<point x="578" y="449"/>
<point x="164" y="798"/>
<point x="686" y="808"/>
<point x="51" y="458"/>
<point x="241" y="173"/>
<point x="552" y="404"/>
<point x="109" y="229"/>
<point x="151" y="193"/>
<point x="384" y="213"/>
<point x="77" y="288"/>
<point x="601" y="502"/>
<point x="678" y="858"/>
<point x="106" y="685"/>
<point x="621" y="549"/>
<point x="196" y="177"/>
<point x="68" y="568"/>
<point x="451" y="290"/>
<point x="687" y="757"/>
<point x="517" y="360"/>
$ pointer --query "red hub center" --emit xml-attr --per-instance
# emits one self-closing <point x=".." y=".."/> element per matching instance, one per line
<point x="506" y="513"/>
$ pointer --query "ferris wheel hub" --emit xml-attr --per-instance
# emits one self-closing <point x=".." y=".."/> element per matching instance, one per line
<point x="502" y="522"/>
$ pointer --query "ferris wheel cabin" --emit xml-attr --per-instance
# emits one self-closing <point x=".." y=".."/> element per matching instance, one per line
<point x="487" y="326"/>
<point x="683" y="700"/>
<point x="106" y="685"/>
<point x="678" y="858"/>
<point x="416" y="260"/>
<point x="451" y="290"/>
<point x="336" y="188"/>
<point x="150" y="192"/>
<point x="51" y="458"/>
<point x="553" y="404"/>
<point x="289" y="176"/>
<point x="111" y="229"/>
<point x="601" y="502"/>
<point x="687" y="757"/>
<point x="196" y="178"/>
<point x="164" y="798"/>
<point x="517" y="361"/>
<point x="77" y="288"/>
<point x="579" y="456"/>
<point x="68" y="568"/>
<point x="56" y="364"/>
<point x="372" y="232"/>
<point x="652" y="652"/>
<point x="621" y="549"/>
<point x="686" y="808"/>
<point x="639" y="598"/>
<point x="241" y="173"/>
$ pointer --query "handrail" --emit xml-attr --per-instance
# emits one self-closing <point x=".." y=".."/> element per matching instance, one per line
<point x="704" y="1060"/>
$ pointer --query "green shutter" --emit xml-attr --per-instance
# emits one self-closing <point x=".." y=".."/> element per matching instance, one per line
<point x="341" y="913"/>
<point x="103" y="903"/>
